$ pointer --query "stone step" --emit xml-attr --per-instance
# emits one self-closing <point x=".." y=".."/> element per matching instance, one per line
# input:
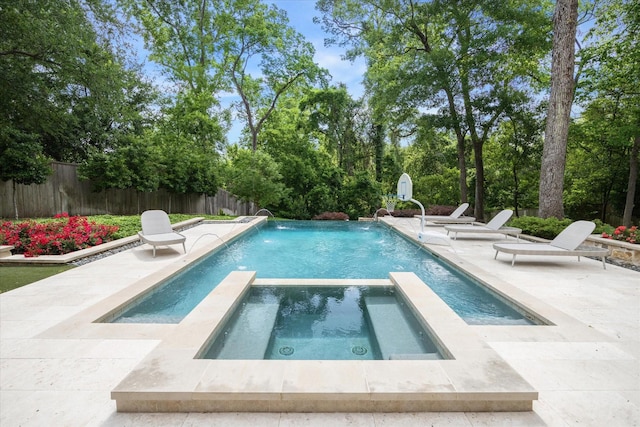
<point x="250" y="334"/>
<point x="394" y="334"/>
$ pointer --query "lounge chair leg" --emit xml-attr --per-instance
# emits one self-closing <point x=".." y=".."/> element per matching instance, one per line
<point x="513" y="260"/>
<point x="496" y="255"/>
<point x="154" y="251"/>
<point x="184" y="248"/>
<point x="604" y="264"/>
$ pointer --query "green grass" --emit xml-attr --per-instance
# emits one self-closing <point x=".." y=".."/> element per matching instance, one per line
<point x="12" y="277"/>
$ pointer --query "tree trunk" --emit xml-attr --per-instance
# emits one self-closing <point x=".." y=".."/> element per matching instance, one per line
<point x="478" y="208"/>
<point x="558" y="115"/>
<point x="462" y="164"/>
<point x="633" y="179"/>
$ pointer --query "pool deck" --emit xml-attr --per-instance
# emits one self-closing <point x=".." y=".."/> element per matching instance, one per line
<point x="585" y="369"/>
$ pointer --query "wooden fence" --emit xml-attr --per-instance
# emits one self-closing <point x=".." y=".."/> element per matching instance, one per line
<point x="64" y="192"/>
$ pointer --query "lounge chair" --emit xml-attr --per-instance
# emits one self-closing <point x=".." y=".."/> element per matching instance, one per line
<point x="455" y="217"/>
<point x="567" y="243"/>
<point x="157" y="230"/>
<point x="496" y="225"/>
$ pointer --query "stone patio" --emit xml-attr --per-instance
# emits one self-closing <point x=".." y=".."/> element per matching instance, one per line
<point x="585" y="368"/>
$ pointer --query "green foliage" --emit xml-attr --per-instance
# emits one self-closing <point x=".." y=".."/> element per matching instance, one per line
<point x="21" y="158"/>
<point x="513" y="161"/>
<point x="62" y="80"/>
<point x="360" y="195"/>
<point x="547" y="228"/>
<point x="254" y="176"/>
<point x="601" y="151"/>
<point x="468" y="62"/>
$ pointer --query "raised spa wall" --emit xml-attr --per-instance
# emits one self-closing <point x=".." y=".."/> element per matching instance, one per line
<point x="472" y="378"/>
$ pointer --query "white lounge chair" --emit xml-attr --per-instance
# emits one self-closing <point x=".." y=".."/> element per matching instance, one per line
<point x="496" y="225"/>
<point x="454" y="218"/>
<point x="567" y="243"/>
<point x="157" y="230"/>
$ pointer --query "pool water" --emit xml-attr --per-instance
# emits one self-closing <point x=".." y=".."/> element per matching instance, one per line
<point x="322" y="323"/>
<point x="322" y="249"/>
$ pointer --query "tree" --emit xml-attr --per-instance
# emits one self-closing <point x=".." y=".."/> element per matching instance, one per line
<point x="565" y="22"/>
<point x="513" y="158"/>
<point x="254" y="176"/>
<point x="186" y="39"/>
<point x="462" y="61"/>
<point x="264" y="59"/>
<point x="72" y="88"/>
<point x="312" y="179"/>
<point x="21" y="160"/>
<point x="610" y="85"/>
<point x="339" y="121"/>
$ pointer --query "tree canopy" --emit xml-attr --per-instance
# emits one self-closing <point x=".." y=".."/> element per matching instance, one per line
<point x="458" y="94"/>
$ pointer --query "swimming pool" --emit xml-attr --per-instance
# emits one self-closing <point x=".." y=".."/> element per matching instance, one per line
<point x="321" y="249"/>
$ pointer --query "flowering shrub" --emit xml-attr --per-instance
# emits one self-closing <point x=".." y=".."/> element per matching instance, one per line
<point x="626" y="234"/>
<point x="65" y="234"/>
<point x="332" y="216"/>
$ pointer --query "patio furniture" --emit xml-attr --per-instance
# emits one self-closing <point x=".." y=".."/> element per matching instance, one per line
<point x="496" y="225"/>
<point x="567" y="243"/>
<point x="157" y="230"/>
<point x="455" y="217"/>
<point x="5" y="251"/>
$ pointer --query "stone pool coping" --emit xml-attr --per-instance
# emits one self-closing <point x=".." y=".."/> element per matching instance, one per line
<point x="173" y="379"/>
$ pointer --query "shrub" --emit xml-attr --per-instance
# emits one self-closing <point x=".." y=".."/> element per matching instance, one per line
<point x="440" y="210"/>
<point x="63" y="235"/>
<point x="547" y="228"/>
<point x="332" y="216"/>
<point x="406" y="213"/>
<point x="625" y="234"/>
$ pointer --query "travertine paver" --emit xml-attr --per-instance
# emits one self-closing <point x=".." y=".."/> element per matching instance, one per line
<point x="587" y="371"/>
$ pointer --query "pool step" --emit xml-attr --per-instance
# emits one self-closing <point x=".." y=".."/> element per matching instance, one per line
<point x="395" y="335"/>
<point x="249" y="336"/>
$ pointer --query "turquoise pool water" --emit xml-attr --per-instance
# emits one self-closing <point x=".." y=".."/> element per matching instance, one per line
<point x="322" y="323"/>
<point x="321" y="249"/>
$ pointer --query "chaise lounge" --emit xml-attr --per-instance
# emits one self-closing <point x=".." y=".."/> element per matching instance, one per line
<point x="567" y="243"/>
<point x="157" y="230"/>
<point x="455" y="217"/>
<point x="496" y="226"/>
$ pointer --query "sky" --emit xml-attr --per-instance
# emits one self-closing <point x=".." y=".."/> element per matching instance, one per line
<point x="301" y="13"/>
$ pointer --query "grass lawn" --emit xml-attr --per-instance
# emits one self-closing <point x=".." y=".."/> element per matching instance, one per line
<point x="12" y="277"/>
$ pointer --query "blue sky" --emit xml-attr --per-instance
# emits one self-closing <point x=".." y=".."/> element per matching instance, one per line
<point x="301" y="13"/>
